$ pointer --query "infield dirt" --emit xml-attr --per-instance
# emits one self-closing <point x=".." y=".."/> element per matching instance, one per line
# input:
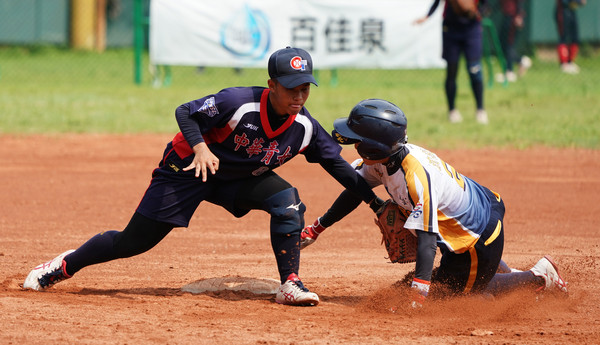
<point x="58" y="191"/>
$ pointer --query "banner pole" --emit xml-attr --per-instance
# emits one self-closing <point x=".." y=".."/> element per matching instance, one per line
<point x="138" y="40"/>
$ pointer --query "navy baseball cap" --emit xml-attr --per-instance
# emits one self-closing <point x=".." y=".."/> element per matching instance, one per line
<point x="291" y="67"/>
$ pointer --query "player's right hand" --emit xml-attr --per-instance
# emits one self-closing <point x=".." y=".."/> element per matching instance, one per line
<point x="310" y="233"/>
<point x="204" y="160"/>
<point x="420" y="290"/>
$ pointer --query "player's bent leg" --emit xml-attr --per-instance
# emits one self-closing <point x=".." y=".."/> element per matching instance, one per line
<point x="506" y="282"/>
<point x="543" y="276"/>
<point x="287" y="220"/>
<point x="140" y="235"/>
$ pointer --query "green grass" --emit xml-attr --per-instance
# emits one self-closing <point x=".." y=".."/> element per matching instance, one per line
<point x="53" y="90"/>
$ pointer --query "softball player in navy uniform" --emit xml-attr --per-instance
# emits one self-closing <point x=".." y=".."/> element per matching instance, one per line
<point x="461" y="34"/>
<point x="447" y="210"/>
<point x="565" y="14"/>
<point x="229" y="145"/>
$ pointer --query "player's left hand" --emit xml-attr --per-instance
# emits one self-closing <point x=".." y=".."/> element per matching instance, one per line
<point x="204" y="160"/>
<point x="400" y="243"/>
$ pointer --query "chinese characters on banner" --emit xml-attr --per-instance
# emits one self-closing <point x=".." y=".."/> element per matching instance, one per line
<point x="338" y="34"/>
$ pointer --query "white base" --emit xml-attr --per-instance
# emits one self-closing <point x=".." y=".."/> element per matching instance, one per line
<point x="255" y="285"/>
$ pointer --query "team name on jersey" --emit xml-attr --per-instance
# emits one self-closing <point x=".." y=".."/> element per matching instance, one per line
<point x="257" y="147"/>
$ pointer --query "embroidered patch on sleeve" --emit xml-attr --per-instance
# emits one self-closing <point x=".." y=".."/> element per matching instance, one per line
<point x="209" y="107"/>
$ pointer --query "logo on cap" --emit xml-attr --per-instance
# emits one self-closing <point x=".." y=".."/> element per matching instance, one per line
<point x="298" y="64"/>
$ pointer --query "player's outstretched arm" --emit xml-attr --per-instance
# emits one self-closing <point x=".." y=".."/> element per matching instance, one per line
<point x="432" y="9"/>
<point x="341" y="207"/>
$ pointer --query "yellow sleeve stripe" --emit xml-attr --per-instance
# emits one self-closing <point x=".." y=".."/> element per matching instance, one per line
<point x="417" y="180"/>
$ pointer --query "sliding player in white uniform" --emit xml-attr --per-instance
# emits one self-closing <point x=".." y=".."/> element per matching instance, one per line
<point x="447" y="210"/>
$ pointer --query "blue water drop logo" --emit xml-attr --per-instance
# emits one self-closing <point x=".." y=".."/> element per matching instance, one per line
<point x="246" y="34"/>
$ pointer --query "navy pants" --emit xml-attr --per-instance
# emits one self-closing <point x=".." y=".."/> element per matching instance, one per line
<point x="472" y="270"/>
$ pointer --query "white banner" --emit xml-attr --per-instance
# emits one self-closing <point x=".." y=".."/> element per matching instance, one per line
<point x="337" y="33"/>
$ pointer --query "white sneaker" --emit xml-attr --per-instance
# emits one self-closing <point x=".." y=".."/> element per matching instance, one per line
<point x="574" y="68"/>
<point x="47" y="274"/>
<point x="482" y="116"/>
<point x="293" y="292"/>
<point x="524" y="65"/>
<point x="569" y="68"/>
<point x="511" y="76"/>
<point x="454" y="116"/>
<point x="548" y="270"/>
<point x="526" y="62"/>
<point x="500" y="78"/>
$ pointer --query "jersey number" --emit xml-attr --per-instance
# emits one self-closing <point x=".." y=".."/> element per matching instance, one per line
<point x="455" y="175"/>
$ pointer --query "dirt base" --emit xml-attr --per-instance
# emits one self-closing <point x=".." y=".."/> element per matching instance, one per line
<point x="59" y="191"/>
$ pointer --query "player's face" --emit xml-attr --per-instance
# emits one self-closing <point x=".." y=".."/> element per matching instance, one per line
<point x="370" y="161"/>
<point x="288" y="101"/>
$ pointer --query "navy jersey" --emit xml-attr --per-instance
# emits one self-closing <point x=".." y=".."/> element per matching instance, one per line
<point x="234" y="124"/>
<point x="451" y="18"/>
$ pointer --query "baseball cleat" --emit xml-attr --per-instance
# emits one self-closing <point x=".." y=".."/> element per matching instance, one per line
<point x="293" y="292"/>
<point x="547" y="269"/>
<point x="454" y="116"/>
<point x="482" y="117"/>
<point x="47" y="274"/>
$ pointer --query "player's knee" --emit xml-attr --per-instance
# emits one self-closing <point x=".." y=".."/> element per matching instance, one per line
<point x="110" y="236"/>
<point x="475" y="73"/>
<point x="287" y="211"/>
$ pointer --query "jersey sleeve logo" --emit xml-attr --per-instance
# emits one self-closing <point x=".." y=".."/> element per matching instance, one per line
<point x="417" y="211"/>
<point x="209" y="107"/>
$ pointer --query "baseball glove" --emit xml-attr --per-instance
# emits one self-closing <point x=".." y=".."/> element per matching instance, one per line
<point x="400" y="243"/>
